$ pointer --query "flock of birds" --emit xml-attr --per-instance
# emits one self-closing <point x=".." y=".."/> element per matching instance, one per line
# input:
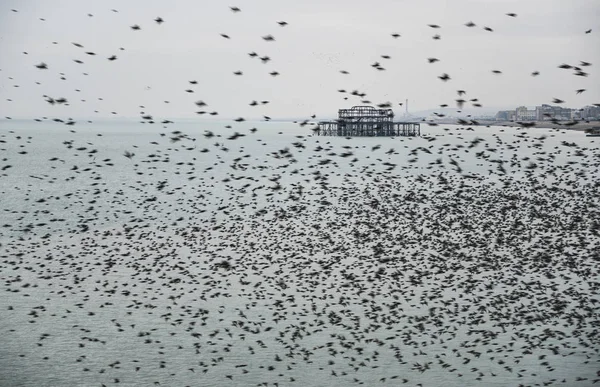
<point x="456" y="258"/>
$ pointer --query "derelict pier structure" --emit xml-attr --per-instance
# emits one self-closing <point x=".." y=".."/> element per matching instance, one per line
<point x="360" y="121"/>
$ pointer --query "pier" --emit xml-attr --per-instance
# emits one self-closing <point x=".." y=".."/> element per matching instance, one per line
<point x="361" y="121"/>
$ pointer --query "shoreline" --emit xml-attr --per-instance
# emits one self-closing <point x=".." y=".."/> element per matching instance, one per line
<point x="580" y="126"/>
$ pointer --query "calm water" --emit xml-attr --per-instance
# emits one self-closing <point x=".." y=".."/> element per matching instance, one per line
<point x="273" y="258"/>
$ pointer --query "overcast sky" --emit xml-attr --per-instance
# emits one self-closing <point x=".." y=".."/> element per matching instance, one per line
<point x="322" y="38"/>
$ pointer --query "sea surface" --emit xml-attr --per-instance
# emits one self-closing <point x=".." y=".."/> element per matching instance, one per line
<point x="188" y="255"/>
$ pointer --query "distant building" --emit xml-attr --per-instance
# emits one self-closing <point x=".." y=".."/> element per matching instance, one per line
<point x="523" y="114"/>
<point x="590" y="113"/>
<point x="547" y="113"/>
<point x="576" y="114"/>
<point x="505" y="115"/>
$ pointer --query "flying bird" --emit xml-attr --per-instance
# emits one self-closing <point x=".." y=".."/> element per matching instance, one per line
<point x="269" y="38"/>
<point x="470" y="24"/>
<point x="433" y="60"/>
<point x="395" y="36"/>
<point x="511" y="14"/>
<point x="588" y="31"/>
<point x="535" y="73"/>
<point x="135" y="27"/>
<point x="234" y="9"/>
<point x="282" y="23"/>
<point x="159" y="20"/>
<point x="488" y="29"/>
<point x="433" y="25"/>
<point x="556" y="100"/>
<point x="42" y="66"/>
<point x="444" y="77"/>
<point x="580" y="91"/>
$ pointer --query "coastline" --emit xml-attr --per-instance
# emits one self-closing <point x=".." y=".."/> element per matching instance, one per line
<point x="580" y="126"/>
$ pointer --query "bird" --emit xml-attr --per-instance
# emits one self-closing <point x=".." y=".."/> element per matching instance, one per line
<point x="588" y="31"/>
<point x="433" y="60"/>
<point x="136" y="27"/>
<point x="225" y="36"/>
<point x="42" y="66"/>
<point x="497" y="71"/>
<point x="444" y="77"/>
<point x="511" y="14"/>
<point x="579" y="91"/>
<point x="395" y="35"/>
<point x="556" y="100"/>
<point x="535" y="73"/>
<point x="112" y="57"/>
<point x="433" y="25"/>
<point x="268" y="38"/>
<point x="488" y="29"/>
<point x="470" y="24"/>
<point x="235" y="9"/>
<point x="159" y="20"/>
<point x="282" y="23"/>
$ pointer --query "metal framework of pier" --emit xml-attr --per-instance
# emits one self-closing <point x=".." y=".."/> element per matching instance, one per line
<point x="367" y="121"/>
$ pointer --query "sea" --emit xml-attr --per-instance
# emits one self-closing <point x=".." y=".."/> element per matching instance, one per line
<point x="206" y="253"/>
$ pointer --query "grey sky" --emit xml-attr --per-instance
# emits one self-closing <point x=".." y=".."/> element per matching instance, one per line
<point x="322" y="38"/>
